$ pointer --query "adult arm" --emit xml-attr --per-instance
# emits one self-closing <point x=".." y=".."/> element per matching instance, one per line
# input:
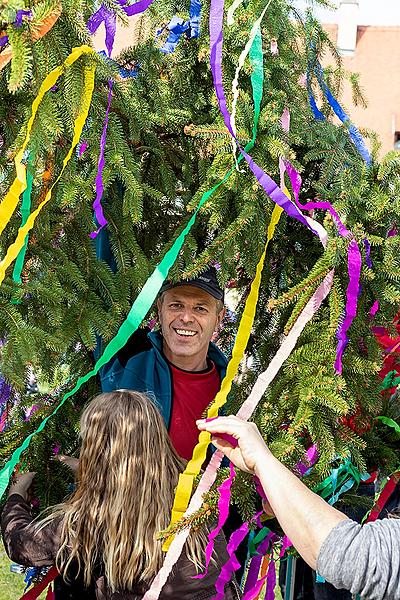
<point x="23" y="542"/>
<point x="363" y="559"/>
<point x="305" y="518"/>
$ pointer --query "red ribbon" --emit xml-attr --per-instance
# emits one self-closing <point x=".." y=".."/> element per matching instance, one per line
<point x="35" y="592"/>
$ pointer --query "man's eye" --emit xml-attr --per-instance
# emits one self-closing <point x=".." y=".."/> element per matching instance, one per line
<point x="175" y="305"/>
<point x="201" y="309"/>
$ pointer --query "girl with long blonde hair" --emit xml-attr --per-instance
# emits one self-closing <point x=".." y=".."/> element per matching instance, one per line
<point x="103" y="539"/>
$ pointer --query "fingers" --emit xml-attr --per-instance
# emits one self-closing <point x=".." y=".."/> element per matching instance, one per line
<point x="231" y="425"/>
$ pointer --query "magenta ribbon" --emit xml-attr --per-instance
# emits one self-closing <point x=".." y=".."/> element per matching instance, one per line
<point x="374" y="309"/>
<point x="232" y="563"/>
<point x="354" y="261"/>
<point x="311" y="456"/>
<point x="223" y="508"/>
<point x="269" y="185"/>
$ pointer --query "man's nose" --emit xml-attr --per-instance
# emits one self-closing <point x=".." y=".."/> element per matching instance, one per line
<point x="186" y="315"/>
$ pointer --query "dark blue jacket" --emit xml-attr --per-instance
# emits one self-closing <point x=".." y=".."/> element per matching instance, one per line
<point x="141" y="366"/>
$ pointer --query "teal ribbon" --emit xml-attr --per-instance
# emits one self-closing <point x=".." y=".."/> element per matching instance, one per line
<point x="341" y="480"/>
<point x="147" y="295"/>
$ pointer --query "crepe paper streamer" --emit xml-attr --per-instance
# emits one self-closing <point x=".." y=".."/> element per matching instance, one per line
<point x="374" y="309"/>
<point x="231" y="11"/>
<point x="177" y="26"/>
<point x="285" y="120"/>
<point x="354" y="262"/>
<point x="286" y="543"/>
<point x="354" y="134"/>
<point x="342" y="479"/>
<point x="38" y="31"/>
<point x="135" y="9"/>
<point x="269" y="186"/>
<point x="287" y="346"/>
<point x="21" y="13"/>
<point x="9" y="203"/>
<point x="312" y="457"/>
<point x="352" y="293"/>
<point x="25" y="212"/>
<point x="29" y="411"/>
<point x="274" y="47"/>
<point x="137" y="313"/>
<point x="97" y="207"/>
<point x="35" y="592"/>
<point x="248" y="407"/>
<point x="390" y="423"/>
<point x="82" y="148"/>
<point x="232" y="563"/>
<point x="252" y="576"/>
<point x="255" y="31"/>
<point x="383" y="497"/>
<point x="223" y="509"/>
<point x="367" y="247"/>
<point x="109" y="18"/>
<point x="186" y="479"/>
<point x="3" y="40"/>
<point x="391" y="380"/>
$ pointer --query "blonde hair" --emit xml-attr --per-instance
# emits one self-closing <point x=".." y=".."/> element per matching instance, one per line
<point x="126" y="480"/>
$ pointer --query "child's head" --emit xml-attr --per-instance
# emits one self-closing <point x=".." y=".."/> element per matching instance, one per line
<point x="126" y="480"/>
<point x="123" y="432"/>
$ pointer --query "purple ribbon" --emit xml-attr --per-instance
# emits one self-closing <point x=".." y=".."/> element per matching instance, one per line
<point x="354" y="270"/>
<point x="251" y="581"/>
<point x="97" y="207"/>
<point x="353" y="264"/>
<point x="110" y="24"/>
<point x="136" y="8"/>
<point x="3" y="40"/>
<point x="223" y="508"/>
<point x="269" y="185"/>
<point x="21" y="13"/>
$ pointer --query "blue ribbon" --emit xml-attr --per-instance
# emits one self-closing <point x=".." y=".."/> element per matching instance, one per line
<point x="124" y="73"/>
<point x="177" y="27"/>
<point x="355" y="135"/>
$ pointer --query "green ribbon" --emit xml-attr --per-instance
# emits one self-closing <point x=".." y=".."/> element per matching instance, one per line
<point x="341" y="479"/>
<point x="390" y="423"/>
<point x="147" y="295"/>
<point x="255" y="541"/>
<point x="390" y="381"/>
<point x="25" y="212"/>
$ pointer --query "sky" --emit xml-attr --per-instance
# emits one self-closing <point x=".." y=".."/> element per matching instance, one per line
<point x="371" y="12"/>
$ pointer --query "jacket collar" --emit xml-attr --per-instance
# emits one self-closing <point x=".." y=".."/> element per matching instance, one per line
<point x="214" y="353"/>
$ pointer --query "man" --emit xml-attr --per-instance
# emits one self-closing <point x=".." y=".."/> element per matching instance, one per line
<point x="179" y="364"/>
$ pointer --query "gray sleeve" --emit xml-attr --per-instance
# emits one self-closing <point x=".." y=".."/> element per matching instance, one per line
<point x="364" y="560"/>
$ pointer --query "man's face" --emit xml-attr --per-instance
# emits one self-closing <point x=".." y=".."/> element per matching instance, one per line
<point x="188" y="318"/>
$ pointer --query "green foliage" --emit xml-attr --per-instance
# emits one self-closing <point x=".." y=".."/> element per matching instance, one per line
<point x="166" y="145"/>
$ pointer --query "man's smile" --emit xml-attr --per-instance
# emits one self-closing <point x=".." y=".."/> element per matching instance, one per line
<point x="185" y="332"/>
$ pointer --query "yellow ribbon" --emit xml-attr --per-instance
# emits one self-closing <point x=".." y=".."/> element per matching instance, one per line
<point x="9" y="204"/>
<point x="186" y="479"/>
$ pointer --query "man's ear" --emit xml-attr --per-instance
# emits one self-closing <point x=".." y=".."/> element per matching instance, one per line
<point x="159" y="309"/>
<point x="221" y="315"/>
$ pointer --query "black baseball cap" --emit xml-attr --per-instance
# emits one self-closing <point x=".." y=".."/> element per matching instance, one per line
<point x="207" y="281"/>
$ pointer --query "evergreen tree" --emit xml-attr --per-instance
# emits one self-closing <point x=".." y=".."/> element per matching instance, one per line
<point x="166" y="145"/>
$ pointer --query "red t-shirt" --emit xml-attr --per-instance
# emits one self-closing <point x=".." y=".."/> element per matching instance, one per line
<point x="192" y="392"/>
